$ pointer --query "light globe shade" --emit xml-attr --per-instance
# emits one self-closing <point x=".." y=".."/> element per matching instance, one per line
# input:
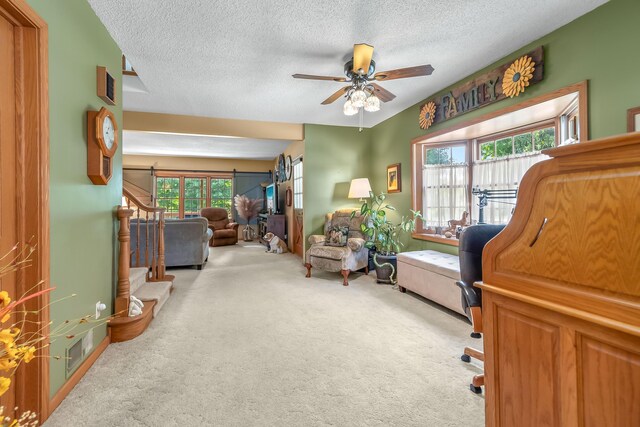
<point x="349" y="109"/>
<point x="358" y="98"/>
<point x="372" y="104"/>
<point x="359" y="189"/>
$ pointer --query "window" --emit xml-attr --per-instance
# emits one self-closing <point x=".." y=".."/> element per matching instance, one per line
<point x="519" y="143"/>
<point x="183" y="196"/>
<point x="501" y="161"/>
<point x="195" y="196"/>
<point x="127" y="68"/>
<point x="221" y="190"/>
<point x="445" y="183"/>
<point x="297" y="185"/>
<point x="168" y="196"/>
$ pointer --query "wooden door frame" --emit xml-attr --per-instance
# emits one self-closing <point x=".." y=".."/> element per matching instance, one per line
<point x="32" y="184"/>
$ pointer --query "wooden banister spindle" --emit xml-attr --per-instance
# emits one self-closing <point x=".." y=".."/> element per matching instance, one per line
<point x="154" y="250"/>
<point x="161" y="266"/>
<point x="137" y="249"/>
<point x="122" y="293"/>
<point x="146" y="240"/>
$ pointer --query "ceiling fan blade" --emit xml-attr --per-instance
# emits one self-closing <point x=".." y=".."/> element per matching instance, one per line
<point x="382" y="94"/>
<point x="362" y="54"/>
<point x="336" y="95"/>
<point x="403" y="73"/>
<point x="310" y="77"/>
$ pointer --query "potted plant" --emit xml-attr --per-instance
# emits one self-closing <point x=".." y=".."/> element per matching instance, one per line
<point x="384" y="235"/>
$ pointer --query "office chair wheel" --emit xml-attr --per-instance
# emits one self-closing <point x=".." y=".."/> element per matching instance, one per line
<point x="476" y="335"/>
<point x="465" y="358"/>
<point x="476" y="390"/>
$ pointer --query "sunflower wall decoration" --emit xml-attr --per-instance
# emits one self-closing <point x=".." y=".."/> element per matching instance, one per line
<point x="427" y="115"/>
<point x="517" y="76"/>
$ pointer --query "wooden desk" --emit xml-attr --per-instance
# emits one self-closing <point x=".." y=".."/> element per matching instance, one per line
<point x="561" y="293"/>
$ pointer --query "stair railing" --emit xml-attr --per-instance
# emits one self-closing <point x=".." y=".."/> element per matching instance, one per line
<point x="147" y="223"/>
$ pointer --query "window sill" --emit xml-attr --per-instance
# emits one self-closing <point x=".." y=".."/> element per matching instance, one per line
<point x="437" y="238"/>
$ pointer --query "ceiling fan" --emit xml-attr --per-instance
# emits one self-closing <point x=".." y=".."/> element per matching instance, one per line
<point x="363" y="91"/>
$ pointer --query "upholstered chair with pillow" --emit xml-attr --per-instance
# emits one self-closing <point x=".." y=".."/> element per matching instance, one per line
<point x="224" y="232"/>
<point x="342" y="248"/>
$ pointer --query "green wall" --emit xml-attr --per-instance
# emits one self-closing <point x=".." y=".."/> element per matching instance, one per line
<point x="600" y="46"/>
<point x="82" y="224"/>
<point x="333" y="156"/>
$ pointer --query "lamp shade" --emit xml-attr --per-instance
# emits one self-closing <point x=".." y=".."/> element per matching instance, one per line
<point x="360" y="188"/>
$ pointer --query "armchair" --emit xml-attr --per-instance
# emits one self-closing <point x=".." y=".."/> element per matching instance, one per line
<point x="345" y="259"/>
<point x="472" y="242"/>
<point x="224" y="231"/>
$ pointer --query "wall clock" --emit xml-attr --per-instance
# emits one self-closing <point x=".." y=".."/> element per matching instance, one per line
<point x="102" y="143"/>
<point x="287" y="168"/>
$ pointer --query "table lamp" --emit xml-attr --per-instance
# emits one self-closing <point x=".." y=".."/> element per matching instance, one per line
<point x="359" y="189"/>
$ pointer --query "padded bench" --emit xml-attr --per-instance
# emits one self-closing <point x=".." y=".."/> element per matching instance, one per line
<point x="432" y="275"/>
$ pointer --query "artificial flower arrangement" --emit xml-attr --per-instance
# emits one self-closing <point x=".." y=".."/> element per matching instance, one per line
<point x="17" y="345"/>
<point x="247" y="209"/>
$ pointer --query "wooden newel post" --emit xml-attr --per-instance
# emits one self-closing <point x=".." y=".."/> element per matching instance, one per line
<point x="122" y="294"/>
<point x="161" y="266"/>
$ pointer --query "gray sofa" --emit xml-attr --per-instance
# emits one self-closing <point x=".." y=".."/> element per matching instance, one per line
<point x="186" y="241"/>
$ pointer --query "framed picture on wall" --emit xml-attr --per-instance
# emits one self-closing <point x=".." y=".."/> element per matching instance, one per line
<point x="394" y="178"/>
<point x="633" y="119"/>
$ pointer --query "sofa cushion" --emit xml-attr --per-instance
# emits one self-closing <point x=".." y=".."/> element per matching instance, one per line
<point x="329" y="252"/>
<point x="438" y="262"/>
<point x="337" y="236"/>
<point x="342" y="218"/>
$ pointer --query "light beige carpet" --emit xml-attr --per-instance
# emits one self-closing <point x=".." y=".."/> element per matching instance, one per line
<point x="249" y="341"/>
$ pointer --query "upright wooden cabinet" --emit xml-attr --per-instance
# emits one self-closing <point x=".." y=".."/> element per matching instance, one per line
<point x="561" y="293"/>
<point x="276" y="224"/>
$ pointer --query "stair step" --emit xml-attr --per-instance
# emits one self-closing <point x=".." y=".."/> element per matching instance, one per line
<point x="137" y="278"/>
<point x="154" y="291"/>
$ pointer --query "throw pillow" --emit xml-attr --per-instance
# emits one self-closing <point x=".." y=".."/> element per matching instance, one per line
<point x="337" y="236"/>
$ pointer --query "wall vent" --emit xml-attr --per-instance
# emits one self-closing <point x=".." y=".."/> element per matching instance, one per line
<point x="74" y="356"/>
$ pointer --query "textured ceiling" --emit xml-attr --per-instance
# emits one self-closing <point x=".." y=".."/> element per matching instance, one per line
<point x="234" y="59"/>
<point x="162" y="144"/>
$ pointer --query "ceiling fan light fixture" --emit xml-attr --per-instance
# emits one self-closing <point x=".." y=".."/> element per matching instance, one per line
<point x="372" y="104"/>
<point x="349" y="109"/>
<point x="358" y="98"/>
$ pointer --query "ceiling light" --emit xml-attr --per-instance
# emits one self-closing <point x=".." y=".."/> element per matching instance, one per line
<point x="358" y="97"/>
<point x="372" y="104"/>
<point x="350" y="109"/>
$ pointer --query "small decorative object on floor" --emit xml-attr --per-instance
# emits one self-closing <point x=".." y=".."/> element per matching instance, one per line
<point x="247" y="209"/>
<point x="276" y="245"/>
<point x="135" y="306"/>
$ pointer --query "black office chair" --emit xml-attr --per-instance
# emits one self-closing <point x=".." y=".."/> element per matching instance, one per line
<point x="472" y="242"/>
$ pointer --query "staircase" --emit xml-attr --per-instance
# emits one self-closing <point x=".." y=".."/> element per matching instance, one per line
<point x="149" y="291"/>
<point x="147" y="282"/>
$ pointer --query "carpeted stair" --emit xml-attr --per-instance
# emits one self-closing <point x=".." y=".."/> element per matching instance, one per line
<point x="148" y="291"/>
